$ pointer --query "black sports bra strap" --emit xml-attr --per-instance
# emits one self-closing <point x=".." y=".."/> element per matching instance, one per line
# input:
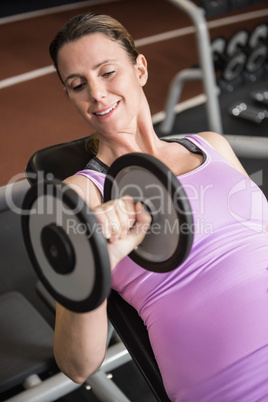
<point x="97" y="165"/>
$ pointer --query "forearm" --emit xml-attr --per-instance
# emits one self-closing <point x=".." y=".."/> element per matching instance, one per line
<point x="80" y="341"/>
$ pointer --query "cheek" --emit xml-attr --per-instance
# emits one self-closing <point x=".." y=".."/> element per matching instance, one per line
<point x="79" y="103"/>
<point x="81" y="107"/>
<point x="130" y="90"/>
<point x="127" y="83"/>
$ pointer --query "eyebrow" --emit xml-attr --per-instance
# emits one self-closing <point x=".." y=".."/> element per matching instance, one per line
<point x="77" y="75"/>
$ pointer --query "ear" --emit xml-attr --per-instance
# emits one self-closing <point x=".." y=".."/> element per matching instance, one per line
<point x="141" y="69"/>
<point x="65" y="91"/>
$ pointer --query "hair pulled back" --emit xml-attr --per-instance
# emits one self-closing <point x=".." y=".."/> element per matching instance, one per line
<point x="85" y="24"/>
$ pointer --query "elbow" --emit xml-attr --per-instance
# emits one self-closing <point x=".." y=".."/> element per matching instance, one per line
<point x="79" y="372"/>
<point x="79" y="377"/>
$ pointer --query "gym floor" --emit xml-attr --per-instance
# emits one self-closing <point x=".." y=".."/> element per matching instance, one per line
<point x="35" y="112"/>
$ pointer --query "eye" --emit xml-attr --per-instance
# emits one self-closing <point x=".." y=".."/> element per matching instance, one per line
<point x="108" y="74"/>
<point x="77" y="88"/>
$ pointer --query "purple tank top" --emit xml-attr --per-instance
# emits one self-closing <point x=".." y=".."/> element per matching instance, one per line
<point x="208" y="319"/>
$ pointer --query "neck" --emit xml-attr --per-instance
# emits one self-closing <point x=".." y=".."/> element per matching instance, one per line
<point x="109" y="150"/>
<point x="141" y="137"/>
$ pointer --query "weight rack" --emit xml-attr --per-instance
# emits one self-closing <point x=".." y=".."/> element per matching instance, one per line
<point x="213" y="107"/>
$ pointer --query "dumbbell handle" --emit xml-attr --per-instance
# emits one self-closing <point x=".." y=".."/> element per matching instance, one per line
<point x="250" y="113"/>
<point x="254" y="114"/>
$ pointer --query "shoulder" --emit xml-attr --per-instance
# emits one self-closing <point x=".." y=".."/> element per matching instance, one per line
<point x="222" y="146"/>
<point x="217" y="141"/>
<point x="85" y="189"/>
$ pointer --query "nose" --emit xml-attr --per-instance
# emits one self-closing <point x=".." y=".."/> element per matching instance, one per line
<point x="97" y="91"/>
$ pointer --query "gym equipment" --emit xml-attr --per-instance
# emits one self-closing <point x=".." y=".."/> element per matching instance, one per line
<point x="260" y="96"/>
<point x="148" y="180"/>
<point x="28" y="370"/>
<point x="237" y="42"/>
<point x="206" y="71"/>
<point x="226" y="59"/>
<point x="248" y="112"/>
<point x="236" y="4"/>
<point x="214" y="7"/>
<point x="217" y="7"/>
<point x="258" y="43"/>
<point x="64" y="246"/>
<point x="65" y="243"/>
<point x="252" y="46"/>
<point x="236" y="55"/>
<point x="124" y="317"/>
<point x="242" y="52"/>
<point x="259" y="35"/>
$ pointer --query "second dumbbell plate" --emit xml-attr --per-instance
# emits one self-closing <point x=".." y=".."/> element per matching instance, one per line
<point x="145" y="178"/>
<point x="65" y="246"/>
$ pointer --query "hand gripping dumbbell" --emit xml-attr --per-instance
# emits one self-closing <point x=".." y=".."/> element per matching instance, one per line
<point x="65" y="243"/>
<point x="229" y="58"/>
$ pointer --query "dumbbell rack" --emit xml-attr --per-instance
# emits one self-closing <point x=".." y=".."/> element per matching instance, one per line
<point x="252" y="150"/>
<point x="206" y="74"/>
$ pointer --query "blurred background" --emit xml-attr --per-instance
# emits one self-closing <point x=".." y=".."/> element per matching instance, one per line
<point x="34" y="109"/>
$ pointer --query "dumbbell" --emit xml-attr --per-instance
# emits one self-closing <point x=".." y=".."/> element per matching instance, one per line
<point x="248" y="112"/>
<point x="228" y="59"/>
<point x="65" y="243"/>
<point x="258" y="43"/>
<point x="260" y="96"/>
<point x="254" y="47"/>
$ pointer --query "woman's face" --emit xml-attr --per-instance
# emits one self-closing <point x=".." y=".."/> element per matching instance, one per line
<point x="102" y="83"/>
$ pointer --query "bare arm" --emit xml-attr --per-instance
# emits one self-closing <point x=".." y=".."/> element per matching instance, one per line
<point x="80" y="339"/>
<point x="221" y="145"/>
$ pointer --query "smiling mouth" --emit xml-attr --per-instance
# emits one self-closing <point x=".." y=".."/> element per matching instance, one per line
<point x="107" y="110"/>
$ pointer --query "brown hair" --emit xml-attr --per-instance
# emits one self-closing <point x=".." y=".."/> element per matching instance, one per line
<point x="85" y="24"/>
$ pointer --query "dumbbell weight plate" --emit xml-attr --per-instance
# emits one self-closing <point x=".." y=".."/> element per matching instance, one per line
<point x="218" y="45"/>
<point x="237" y="41"/>
<point x="217" y="49"/>
<point x="258" y="34"/>
<point x="256" y="58"/>
<point x="258" y="43"/>
<point x="234" y="66"/>
<point x="169" y="239"/>
<point x="66" y="246"/>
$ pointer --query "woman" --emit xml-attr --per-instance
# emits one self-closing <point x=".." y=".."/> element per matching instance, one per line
<point x="207" y="320"/>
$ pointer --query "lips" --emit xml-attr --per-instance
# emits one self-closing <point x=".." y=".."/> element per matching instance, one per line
<point x="106" y="111"/>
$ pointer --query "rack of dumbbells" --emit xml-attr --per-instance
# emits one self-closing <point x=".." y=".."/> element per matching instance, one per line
<point x="236" y="68"/>
<point x="241" y="67"/>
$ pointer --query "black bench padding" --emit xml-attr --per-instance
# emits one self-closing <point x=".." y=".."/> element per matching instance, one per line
<point x="63" y="160"/>
<point x="26" y="341"/>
